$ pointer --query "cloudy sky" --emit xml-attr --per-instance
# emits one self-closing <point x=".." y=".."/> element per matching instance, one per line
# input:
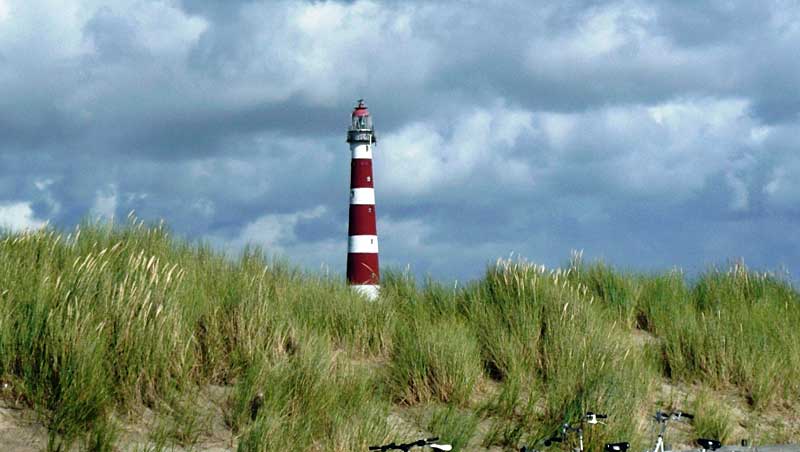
<point x="650" y="134"/>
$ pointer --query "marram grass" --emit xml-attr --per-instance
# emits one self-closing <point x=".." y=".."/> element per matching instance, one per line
<point x="104" y="322"/>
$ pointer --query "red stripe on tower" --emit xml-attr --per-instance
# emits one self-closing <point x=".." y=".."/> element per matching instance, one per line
<point x="362" y="243"/>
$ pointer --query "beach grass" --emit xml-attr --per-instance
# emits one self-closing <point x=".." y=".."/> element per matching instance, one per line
<point x="108" y="319"/>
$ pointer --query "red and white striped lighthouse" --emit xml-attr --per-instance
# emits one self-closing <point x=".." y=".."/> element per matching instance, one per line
<point x="362" y="247"/>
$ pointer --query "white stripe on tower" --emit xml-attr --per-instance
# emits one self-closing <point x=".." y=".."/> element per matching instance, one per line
<point x="361" y="151"/>
<point x="362" y="196"/>
<point x="362" y="245"/>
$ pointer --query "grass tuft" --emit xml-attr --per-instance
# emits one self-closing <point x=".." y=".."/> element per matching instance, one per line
<point x="453" y="426"/>
<point x="439" y="361"/>
<point x="712" y="420"/>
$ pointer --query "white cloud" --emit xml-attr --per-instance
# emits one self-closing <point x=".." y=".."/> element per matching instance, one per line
<point x="670" y="150"/>
<point x="18" y="217"/>
<point x="403" y="240"/>
<point x="411" y="161"/>
<point x="740" y="192"/>
<point x="424" y="157"/>
<point x="409" y="233"/>
<point x="343" y="47"/>
<point x="158" y="28"/>
<point x="105" y="203"/>
<point x="326" y="52"/>
<point x="667" y="149"/>
<point x="204" y="207"/>
<point x="600" y="32"/>
<point x="164" y="28"/>
<point x="69" y="61"/>
<point x="275" y="232"/>
<point x="759" y="134"/>
<point x="618" y="52"/>
<point x="607" y="29"/>
<point x="785" y="19"/>
<point x="276" y="235"/>
<point x="413" y="241"/>
<point x="58" y="27"/>
<point x="43" y="185"/>
<point x="783" y="186"/>
<point x="557" y="127"/>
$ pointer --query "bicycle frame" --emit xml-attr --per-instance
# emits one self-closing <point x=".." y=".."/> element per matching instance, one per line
<point x="590" y="418"/>
<point x="579" y="431"/>
<point x="662" y="419"/>
<point x="660" y="441"/>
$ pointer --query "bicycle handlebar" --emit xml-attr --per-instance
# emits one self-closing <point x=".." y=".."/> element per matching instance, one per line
<point x="589" y="417"/>
<point x="407" y="446"/>
<point x="677" y="415"/>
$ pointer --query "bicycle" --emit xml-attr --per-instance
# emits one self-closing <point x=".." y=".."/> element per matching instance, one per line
<point x="405" y="447"/>
<point x="567" y="428"/>
<point x="662" y="418"/>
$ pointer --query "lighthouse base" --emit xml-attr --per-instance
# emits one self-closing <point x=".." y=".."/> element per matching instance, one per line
<point x="369" y="291"/>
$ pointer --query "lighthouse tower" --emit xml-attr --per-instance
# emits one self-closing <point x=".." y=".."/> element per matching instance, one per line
<point x="362" y="248"/>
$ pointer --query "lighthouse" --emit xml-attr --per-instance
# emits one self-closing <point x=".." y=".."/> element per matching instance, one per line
<point x="362" y="241"/>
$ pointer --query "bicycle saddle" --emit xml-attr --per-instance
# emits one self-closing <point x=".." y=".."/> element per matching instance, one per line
<point x="710" y="444"/>
<point x="617" y="447"/>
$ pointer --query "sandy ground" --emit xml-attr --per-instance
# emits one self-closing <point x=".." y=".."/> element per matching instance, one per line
<point x="20" y="431"/>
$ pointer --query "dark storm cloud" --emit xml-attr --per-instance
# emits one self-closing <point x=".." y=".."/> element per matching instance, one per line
<point x="648" y="133"/>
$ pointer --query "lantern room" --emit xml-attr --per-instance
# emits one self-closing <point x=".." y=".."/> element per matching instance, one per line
<point x="361" y="118"/>
<point x="361" y="125"/>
